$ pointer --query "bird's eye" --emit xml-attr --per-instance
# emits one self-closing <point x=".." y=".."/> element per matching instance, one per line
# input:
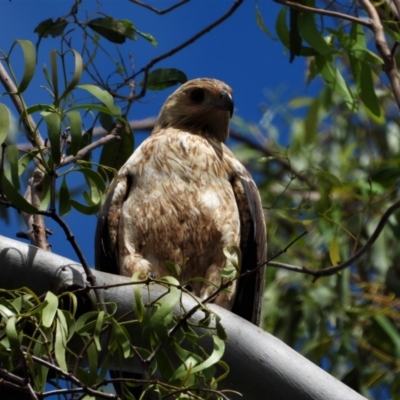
<point x="197" y="95"/>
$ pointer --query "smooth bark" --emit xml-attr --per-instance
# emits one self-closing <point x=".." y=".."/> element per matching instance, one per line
<point x="261" y="366"/>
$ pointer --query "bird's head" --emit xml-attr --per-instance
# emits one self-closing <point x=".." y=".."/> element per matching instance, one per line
<point x="201" y="106"/>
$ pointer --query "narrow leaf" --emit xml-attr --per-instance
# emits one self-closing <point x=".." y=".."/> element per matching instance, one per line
<point x="54" y="74"/>
<point x="16" y="198"/>
<point x="50" y="27"/>
<point x="335" y="80"/>
<point x="261" y="24"/>
<point x="50" y="310"/>
<point x="61" y="341"/>
<point x="334" y="252"/>
<point x="103" y="96"/>
<point x="75" y="125"/>
<point x="162" y="78"/>
<point x="116" y="31"/>
<point x="77" y="74"/>
<point x="5" y="122"/>
<point x="29" y="52"/>
<point x="53" y="123"/>
<point x="311" y="35"/>
<point x="12" y="157"/>
<point x="64" y="206"/>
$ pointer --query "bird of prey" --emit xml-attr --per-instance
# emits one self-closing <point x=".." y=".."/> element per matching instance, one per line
<point x="183" y="197"/>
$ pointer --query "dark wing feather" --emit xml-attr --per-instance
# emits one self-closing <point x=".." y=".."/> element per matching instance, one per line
<point x="105" y="255"/>
<point x="249" y="295"/>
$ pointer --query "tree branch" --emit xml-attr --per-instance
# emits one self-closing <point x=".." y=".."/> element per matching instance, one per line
<point x="271" y="366"/>
<point x="87" y="149"/>
<point x="336" y="268"/>
<point x="389" y="60"/>
<point x="160" y="12"/>
<point x="32" y="132"/>
<point x="178" y="48"/>
<point x="314" y="10"/>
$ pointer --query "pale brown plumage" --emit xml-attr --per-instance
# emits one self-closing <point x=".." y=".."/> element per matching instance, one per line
<point x="182" y="197"/>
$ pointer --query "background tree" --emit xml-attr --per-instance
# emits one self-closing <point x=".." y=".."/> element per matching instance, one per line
<point x="338" y="178"/>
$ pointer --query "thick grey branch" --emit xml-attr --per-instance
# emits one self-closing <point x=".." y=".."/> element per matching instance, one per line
<point x="261" y="366"/>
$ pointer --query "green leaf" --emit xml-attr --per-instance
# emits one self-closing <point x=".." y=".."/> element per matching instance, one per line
<point x="115" y="153"/>
<point x="218" y="352"/>
<point x="103" y="96"/>
<point x="311" y="121"/>
<point x="15" y="198"/>
<point x="53" y="123"/>
<point x="391" y="331"/>
<point x="335" y="80"/>
<point x="361" y="69"/>
<point x="45" y="200"/>
<point x="5" y="122"/>
<point x="106" y="122"/>
<point x="96" y="185"/>
<point x="50" y="27"/>
<point x="60" y="344"/>
<point x="312" y="36"/>
<point x="138" y="305"/>
<point x="97" y="330"/>
<point x="295" y="40"/>
<point x="12" y="335"/>
<point x="97" y="107"/>
<point x="355" y="45"/>
<point x="116" y="31"/>
<point x="77" y="74"/>
<point x="84" y="209"/>
<point x="284" y="35"/>
<point x="92" y="355"/>
<point x="64" y="205"/>
<point x="75" y="125"/>
<point x="49" y="312"/>
<point x="54" y="74"/>
<point x="164" y="307"/>
<point x="29" y="63"/>
<point x="162" y="78"/>
<point x="334" y="252"/>
<point x="261" y="24"/>
<point x="121" y="337"/>
<point x="221" y="331"/>
<point x="12" y="157"/>
<point x="148" y="37"/>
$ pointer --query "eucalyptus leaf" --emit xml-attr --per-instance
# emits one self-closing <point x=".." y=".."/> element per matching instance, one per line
<point x="163" y="78"/>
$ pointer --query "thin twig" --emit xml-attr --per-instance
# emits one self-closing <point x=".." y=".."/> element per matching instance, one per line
<point x="321" y="11"/>
<point x="33" y="134"/>
<point x="334" y="269"/>
<point x="178" y="48"/>
<point x="160" y="12"/>
<point x="87" y="149"/>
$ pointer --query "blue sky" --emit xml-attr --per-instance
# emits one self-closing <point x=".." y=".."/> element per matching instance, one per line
<point x="237" y="52"/>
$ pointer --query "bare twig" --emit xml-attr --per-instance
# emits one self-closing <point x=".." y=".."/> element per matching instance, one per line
<point x="87" y="149"/>
<point x="35" y="222"/>
<point x="32" y="131"/>
<point x="160" y="12"/>
<point x="334" y="269"/>
<point x="314" y="10"/>
<point x="178" y="48"/>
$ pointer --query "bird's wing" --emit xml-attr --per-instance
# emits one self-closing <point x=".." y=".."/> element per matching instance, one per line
<point x="249" y="295"/>
<point x="106" y="237"/>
